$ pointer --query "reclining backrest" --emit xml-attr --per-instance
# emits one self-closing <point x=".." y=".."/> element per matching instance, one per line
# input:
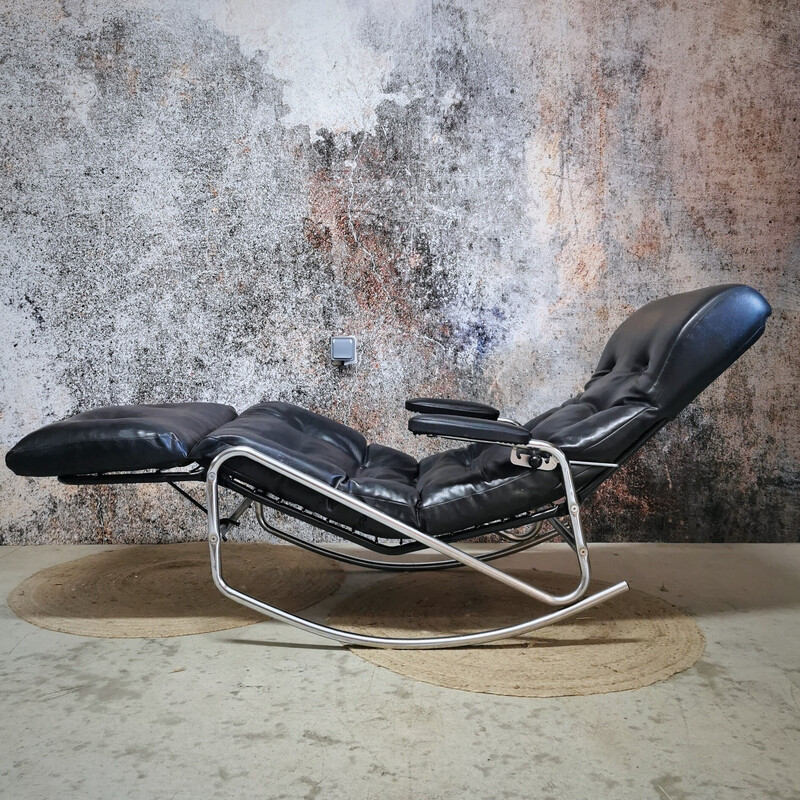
<point x="668" y="351"/>
<point x="654" y="364"/>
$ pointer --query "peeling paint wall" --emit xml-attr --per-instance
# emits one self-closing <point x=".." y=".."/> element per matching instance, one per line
<point x="196" y="195"/>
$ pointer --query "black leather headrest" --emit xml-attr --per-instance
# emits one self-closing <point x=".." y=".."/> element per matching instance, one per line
<point x="668" y="351"/>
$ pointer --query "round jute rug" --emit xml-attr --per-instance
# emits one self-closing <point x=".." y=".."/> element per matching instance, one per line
<point x="150" y="591"/>
<point x="628" y="642"/>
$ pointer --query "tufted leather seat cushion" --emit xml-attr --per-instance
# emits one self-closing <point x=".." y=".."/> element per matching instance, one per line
<point x="116" y="438"/>
<point x="478" y="484"/>
<point x="340" y="456"/>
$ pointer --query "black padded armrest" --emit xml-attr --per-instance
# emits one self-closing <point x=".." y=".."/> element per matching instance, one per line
<point x="443" y="405"/>
<point x="481" y="430"/>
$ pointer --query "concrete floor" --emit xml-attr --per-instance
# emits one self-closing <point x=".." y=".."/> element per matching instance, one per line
<point x="268" y="712"/>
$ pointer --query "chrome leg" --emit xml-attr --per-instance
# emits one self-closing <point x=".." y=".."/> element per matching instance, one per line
<point x="419" y="643"/>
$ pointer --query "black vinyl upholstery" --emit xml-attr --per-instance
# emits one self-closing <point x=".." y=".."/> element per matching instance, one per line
<point x="117" y="438"/>
<point x="469" y="428"/>
<point x="445" y="405"/>
<point x="655" y="363"/>
<point x="340" y="456"/>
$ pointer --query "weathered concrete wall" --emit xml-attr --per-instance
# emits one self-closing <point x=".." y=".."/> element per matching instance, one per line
<point x="197" y="194"/>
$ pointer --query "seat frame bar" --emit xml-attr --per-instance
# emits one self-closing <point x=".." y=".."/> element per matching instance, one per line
<point x="570" y="603"/>
<point x="530" y="540"/>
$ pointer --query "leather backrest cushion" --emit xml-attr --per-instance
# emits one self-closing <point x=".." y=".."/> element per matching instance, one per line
<point x="654" y="364"/>
<point x="668" y="351"/>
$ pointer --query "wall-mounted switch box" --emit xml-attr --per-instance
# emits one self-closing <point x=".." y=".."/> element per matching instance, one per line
<point x="343" y="350"/>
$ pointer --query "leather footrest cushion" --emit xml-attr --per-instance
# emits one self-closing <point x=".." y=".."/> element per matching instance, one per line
<point x="118" y="438"/>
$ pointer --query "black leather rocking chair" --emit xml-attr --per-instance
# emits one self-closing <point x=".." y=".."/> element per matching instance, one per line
<point x="510" y="479"/>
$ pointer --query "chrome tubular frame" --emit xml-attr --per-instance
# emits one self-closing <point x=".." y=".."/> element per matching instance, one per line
<point x="571" y="602"/>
